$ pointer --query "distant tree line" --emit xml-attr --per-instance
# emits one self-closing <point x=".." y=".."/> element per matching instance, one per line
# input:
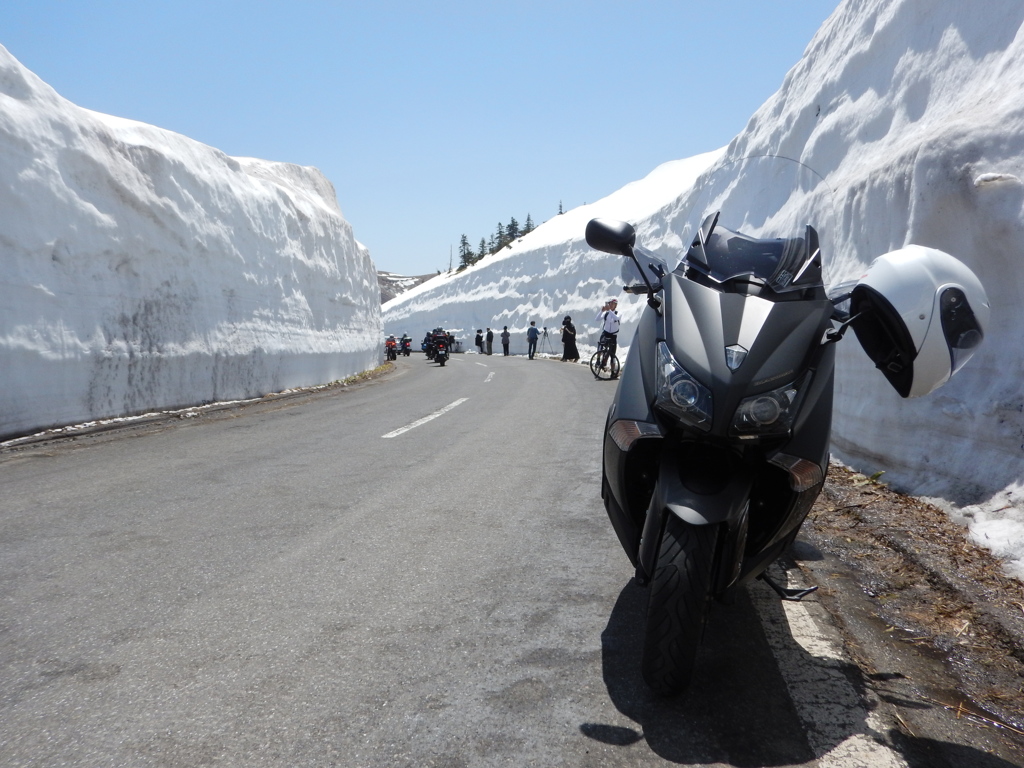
<point x="503" y="235"/>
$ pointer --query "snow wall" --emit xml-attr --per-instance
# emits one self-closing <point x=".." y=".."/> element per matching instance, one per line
<point x="545" y="275"/>
<point x="141" y="270"/>
<point x="913" y="112"/>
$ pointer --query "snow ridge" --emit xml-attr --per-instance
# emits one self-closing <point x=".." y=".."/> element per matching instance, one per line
<point x="550" y="272"/>
<point x="143" y="270"/>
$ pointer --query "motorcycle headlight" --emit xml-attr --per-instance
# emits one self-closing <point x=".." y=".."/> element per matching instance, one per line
<point x="770" y="413"/>
<point x="679" y="394"/>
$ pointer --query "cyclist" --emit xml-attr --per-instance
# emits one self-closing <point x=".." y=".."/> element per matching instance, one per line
<point x="609" y="320"/>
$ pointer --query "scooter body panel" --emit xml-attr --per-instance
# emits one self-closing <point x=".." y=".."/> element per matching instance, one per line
<point x="669" y="469"/>
<point x="780" y="340"/>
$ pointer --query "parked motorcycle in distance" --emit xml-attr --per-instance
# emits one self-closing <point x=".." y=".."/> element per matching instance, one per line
<point x="717" y="441"/>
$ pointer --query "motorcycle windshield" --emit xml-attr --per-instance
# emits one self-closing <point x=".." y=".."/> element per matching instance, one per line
<point x="783" y="263"/>
<point x="766" y="218"/>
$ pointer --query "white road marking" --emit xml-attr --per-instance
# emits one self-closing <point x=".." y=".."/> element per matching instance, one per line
<point x="483" y="364"/>
<point x="811" y="659"/>
<point x="425" y="419"/>
<point x="489" y="377"/>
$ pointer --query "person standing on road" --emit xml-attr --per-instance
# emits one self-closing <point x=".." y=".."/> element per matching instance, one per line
<point x="505" y="336"/>
<point x="479" y="340"/>
<point x="532" y="334"/>
<point x="490" y="340"/>
<point x="569" y="351"/>
<point x="609" y="320"/>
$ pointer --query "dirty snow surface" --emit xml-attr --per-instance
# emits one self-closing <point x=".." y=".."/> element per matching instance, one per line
<point x="913" y="112"/>
<point x="142" y="270"/>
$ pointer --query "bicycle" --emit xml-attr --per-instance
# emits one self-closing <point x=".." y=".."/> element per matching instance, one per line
<point x="604" y="364"/>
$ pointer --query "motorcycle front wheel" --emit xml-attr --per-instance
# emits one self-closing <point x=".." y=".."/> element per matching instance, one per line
<point x="677" y="608"/>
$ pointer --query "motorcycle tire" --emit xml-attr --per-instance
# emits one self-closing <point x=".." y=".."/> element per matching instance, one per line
<point x="610" y="369"/>
<point x="678" y="605"/>
<point x="440" y="361"/>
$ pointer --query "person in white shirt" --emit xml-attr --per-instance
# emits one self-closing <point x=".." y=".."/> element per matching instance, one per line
<point x="609" y="320"/>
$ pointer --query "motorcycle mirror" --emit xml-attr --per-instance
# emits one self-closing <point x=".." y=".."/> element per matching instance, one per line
<point x="611" y="236"/>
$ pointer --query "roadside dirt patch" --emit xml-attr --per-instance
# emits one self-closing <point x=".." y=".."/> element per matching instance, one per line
<point x="932" y="589"/>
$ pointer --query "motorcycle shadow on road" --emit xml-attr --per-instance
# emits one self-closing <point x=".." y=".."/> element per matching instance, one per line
<point x="738" y="710"/>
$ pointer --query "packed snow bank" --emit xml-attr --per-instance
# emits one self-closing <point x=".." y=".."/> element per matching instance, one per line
<point x="913" y="111"/>
<point x="143" y="270"/>
<point x="549" y="273"/>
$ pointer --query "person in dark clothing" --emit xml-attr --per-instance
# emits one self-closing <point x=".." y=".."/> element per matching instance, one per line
<point x="569" y="351"/>
<point x="490" y="340"/>
<point x="479" y="340"/>
<point x="505" y="336"/>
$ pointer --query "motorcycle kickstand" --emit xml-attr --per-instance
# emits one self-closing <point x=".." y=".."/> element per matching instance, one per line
<point x="786" y="593"/>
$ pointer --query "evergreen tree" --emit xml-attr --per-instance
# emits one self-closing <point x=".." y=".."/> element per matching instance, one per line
<point x="465" y="253"/>
<point x="560" y="211"/>
<point x="503" y="235"/>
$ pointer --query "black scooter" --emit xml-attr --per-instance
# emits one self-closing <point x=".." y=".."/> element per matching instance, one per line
<point x="717" y="441"/>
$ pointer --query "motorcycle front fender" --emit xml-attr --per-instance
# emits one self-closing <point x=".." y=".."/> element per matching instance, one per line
<point x="685" y="490"/>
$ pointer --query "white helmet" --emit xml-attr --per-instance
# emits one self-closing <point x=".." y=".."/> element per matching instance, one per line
<point x="922" y="314"/>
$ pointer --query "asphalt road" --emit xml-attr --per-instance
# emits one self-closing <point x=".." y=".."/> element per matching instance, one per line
<point x="312" y="582"/>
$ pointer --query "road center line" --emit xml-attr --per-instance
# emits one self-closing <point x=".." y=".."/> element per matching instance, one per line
<point x="425" y="419"/>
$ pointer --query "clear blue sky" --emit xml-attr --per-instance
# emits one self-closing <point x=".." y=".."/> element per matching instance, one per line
<point x="432" y="119"/>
